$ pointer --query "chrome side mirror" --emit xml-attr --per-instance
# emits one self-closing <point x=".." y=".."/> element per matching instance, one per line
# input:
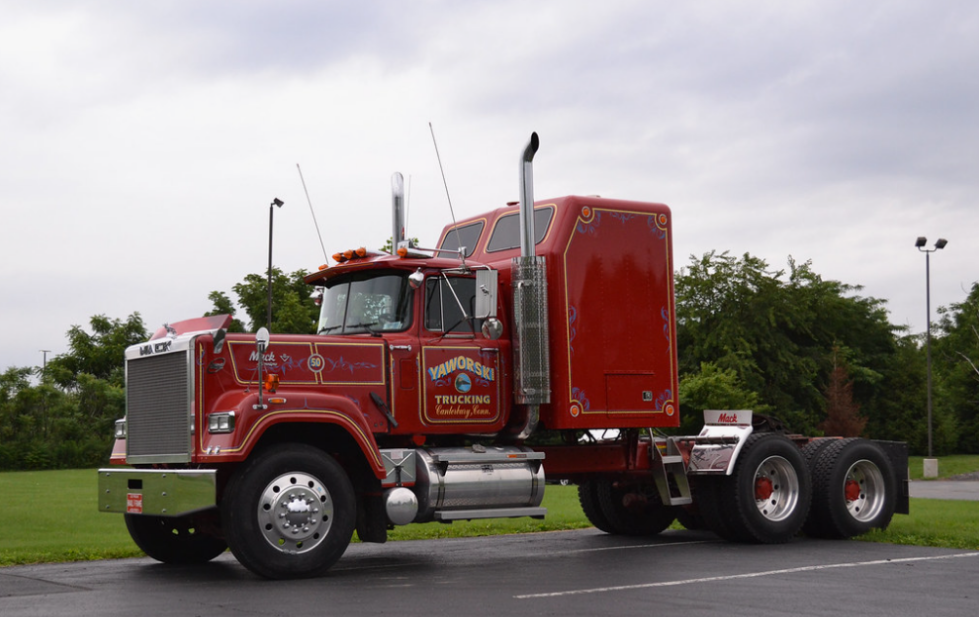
<point x="219" y="341"/>
<point x="486" y="292"/>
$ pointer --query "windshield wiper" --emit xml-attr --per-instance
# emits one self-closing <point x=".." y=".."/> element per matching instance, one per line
<point x="366" y="326"/>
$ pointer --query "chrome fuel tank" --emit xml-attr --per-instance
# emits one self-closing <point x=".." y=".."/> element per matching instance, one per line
<point x="479" y="482"/>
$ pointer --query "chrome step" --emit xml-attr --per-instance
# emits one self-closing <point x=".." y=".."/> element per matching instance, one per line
<point x="667" y="467"/>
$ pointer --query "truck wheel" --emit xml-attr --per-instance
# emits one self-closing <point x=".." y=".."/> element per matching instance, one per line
<point x="813" y="449"/>
<point x="289" y="513"/>
<point x="635" y="510"/>
<point x="588" y="497"/>
<point x="173" y="539"/>
<point x="854" y="490"/>
<point x="767" y="496"/>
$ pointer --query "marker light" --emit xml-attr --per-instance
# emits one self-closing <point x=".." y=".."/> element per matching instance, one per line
<point x="271" y="382"/>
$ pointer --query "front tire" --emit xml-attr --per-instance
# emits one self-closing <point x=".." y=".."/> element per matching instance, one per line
<point x="289" y="513"/>
<point x="174" y="539"/>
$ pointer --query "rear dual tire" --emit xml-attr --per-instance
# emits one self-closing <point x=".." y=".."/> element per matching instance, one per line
<point x="765" y="499"/>
<point x="854" y="489"/>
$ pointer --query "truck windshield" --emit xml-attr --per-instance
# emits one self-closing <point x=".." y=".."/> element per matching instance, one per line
<point x="366" y="303"/>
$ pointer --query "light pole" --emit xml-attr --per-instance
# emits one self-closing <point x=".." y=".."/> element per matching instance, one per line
<point x="940" y="244"/>
<point x="276" y="202"/>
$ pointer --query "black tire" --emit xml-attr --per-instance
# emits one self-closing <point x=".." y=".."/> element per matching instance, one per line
<point x="634" y="510"/>
<point x="813" y="449"/>
<point x="854" y="490"/>
<point x="714" y="510"/>
<point x="690" y="516"/>
<point x="588" y="497"/>
<point x="173" y="539"/>
<point x="765" y="499"/>
<point x="289" y="512"/>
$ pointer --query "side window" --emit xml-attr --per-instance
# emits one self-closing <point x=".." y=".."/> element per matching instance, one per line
<point x="443" y="313"/>
<point x="506" y="232"/>
<point x="468" y="235"/>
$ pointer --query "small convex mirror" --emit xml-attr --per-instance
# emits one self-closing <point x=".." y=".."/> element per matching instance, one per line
<point x="416" y="278"/>
<point x="262" y="339"/>
<point x="492" y="328"/>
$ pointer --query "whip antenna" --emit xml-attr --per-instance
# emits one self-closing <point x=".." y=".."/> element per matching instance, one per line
<point x="315" y="224"/>
<point x="455" y="227"/>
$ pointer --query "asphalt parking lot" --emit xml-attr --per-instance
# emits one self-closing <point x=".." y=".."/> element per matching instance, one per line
<point x="583" y="572"/>
<point x="945" y="489"/>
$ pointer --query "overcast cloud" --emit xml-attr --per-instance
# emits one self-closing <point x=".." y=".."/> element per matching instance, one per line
<point x="144" y="141"/>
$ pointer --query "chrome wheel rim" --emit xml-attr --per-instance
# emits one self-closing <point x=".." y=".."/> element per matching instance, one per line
<point x="295" y="512"/>
<point x="863" y="489"/>
<point x="776" y="488"/>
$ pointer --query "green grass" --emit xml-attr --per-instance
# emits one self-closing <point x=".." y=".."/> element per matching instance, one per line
<point x="948" y="466"/>
<point x="933" y="522"/>
<point x="52" y="516"/>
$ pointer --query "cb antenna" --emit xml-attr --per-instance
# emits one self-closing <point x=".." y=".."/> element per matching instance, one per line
<point x="315" y="224"/>
<point x="455" y="227"/>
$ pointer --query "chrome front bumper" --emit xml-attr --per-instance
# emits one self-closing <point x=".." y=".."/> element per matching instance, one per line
<point x="166" y="492"/>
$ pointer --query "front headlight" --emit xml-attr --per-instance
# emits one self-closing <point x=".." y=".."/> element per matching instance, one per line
<point x="221" y="422"/>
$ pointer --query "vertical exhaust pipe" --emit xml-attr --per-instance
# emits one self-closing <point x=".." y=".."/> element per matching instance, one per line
<point x="532" y="371"/>
<point x="397" y="211"/>
<point x="527" y="235"/>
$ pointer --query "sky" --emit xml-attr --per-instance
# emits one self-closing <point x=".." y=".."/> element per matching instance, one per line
<point x="143" y="142"/>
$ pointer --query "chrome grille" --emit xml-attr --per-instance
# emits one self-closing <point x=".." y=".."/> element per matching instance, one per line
<point x="158" y="408"/>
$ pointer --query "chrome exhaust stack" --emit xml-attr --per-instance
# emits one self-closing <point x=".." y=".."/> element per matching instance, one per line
<point x="531" y="341"/>
<point x="397" y="211"/>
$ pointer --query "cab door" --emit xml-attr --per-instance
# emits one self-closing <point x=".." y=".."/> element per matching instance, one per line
<point x="460" y="369"/>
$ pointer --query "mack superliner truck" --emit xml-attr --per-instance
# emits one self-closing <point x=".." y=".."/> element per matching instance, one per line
<point x="533" y="342"/>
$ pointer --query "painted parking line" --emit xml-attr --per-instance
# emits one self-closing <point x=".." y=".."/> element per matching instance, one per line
<point x="711" y="579"/>
<point x="624" y="548"/>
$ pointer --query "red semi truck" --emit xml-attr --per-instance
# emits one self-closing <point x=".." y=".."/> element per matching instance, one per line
<point x="440" y="386"/>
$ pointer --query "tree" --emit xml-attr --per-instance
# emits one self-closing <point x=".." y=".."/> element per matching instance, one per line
<point x="842" y="414"/>
<point x="293" y="309"/>
<point x="100" y="353"/>
<point x="777" y="329"/>
<point x="712" y="388"/>
<point x="224" y="306"/>
<point x="956" y="364"/>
